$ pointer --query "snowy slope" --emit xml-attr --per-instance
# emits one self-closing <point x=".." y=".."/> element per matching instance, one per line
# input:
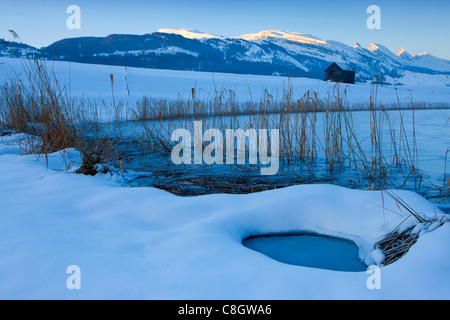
<point x="143" y="243"/>
<point x="292" y="36"/>
<point x="432" y="62"/>
<point x="15" y="49"/>
<point x="188" y="33"/>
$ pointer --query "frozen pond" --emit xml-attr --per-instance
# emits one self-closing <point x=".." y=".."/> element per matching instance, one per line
<point x="309" y="251"/>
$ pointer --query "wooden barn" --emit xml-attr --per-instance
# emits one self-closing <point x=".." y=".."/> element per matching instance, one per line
<point x="337" y="74"/>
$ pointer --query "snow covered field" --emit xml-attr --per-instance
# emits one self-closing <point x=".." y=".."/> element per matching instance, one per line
<point x="142" y="242"/>
<point x="146" y="243"/>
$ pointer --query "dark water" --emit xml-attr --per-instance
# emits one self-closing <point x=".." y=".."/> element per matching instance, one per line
<point x="309" y="251"/>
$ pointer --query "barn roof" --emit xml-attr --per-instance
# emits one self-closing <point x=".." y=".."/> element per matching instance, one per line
<point x="334" y="64"/>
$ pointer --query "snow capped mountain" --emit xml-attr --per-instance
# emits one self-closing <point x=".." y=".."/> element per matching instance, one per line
<point x="267" y="52"/>
<point x="380" y="50"/>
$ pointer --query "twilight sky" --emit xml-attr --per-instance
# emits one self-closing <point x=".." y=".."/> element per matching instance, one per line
<point x="415" y="25"/>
